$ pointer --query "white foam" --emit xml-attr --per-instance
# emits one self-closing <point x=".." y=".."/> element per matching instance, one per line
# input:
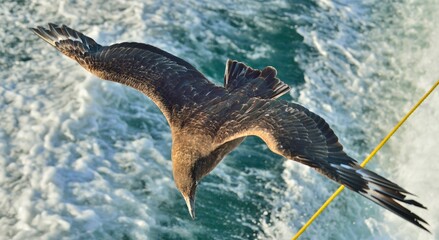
<point x="72" y="165"/>
<point x="364" y="69"/>
<point x="414" y="148"/>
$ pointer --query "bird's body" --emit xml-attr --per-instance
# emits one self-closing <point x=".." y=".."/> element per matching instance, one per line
<point x="208" y="121"/>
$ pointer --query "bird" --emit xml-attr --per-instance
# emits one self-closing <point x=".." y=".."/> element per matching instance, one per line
<point x="208" y="121"/>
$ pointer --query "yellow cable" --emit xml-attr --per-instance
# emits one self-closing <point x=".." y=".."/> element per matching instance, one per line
<point x="340" y="189"/>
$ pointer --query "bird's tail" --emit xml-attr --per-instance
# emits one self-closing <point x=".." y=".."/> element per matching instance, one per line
<point x="68" y="41"/>
<point x="378" y="189"/>
<point x="255" y="83"/>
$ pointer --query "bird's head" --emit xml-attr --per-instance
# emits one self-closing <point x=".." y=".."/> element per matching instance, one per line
<point x="190" y="163"/>
<point x="187" y="172"/>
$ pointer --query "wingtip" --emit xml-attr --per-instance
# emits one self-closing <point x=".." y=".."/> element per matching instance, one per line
<point x="414" y="203"/>
<point x="66" y="39"/>
<point x="423" y="227"/>
<point x="32" y="29"/>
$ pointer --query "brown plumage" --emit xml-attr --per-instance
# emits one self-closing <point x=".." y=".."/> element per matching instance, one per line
<point x="209" y="121"/>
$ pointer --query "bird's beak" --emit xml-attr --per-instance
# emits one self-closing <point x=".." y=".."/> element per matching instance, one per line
<point x="190" y="202"/>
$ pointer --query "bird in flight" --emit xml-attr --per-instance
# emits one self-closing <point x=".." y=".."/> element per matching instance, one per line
<point x="208" y="121"/>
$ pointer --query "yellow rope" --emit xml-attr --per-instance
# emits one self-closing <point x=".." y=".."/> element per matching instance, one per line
<point x="340" y="189"/>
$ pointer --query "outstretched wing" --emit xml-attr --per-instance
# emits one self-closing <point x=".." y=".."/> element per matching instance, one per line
<point x="169" y="81"/>
<point x="296" y="133"/>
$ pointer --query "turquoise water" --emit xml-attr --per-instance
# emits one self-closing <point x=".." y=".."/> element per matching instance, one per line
<point x="81" y="158"/>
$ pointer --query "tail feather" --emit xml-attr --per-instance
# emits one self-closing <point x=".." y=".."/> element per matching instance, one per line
<point x="263" y="84"/>
<point x="379" y="190"/>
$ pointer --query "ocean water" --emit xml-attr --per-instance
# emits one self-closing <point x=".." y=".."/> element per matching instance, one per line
<point x="82" y="158"/>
